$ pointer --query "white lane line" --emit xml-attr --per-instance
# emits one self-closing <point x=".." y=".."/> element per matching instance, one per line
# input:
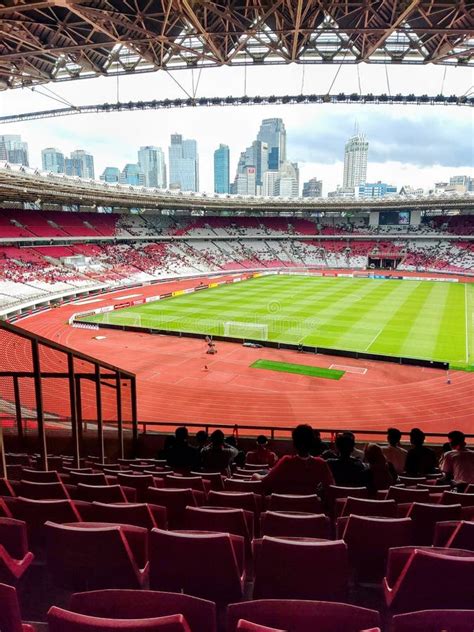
<point x="467" y="323"/>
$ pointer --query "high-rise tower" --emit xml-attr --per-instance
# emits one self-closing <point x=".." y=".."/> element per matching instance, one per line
<point x="355" y="161"/>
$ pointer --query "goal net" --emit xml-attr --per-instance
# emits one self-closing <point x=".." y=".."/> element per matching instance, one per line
<point x="251" y="331"/>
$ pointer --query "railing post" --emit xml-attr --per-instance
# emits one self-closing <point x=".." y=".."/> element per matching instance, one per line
<point x="79" y="410"/>
<point x="100" y="426"/>
<point x="73" y="406"/>
<point x="3" y="463"/>
<point x="118" y="380"/>
<point x="18" y="415"/>
<point x="39" y="404"/>
<point x="133" y="394"/>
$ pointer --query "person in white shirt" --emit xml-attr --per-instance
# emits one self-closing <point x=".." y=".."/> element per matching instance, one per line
<point x="394" y="453"/>
<point x="458" y="465"/>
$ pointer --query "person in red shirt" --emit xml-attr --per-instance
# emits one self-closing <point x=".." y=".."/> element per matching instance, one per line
<point x="262" y="455"/>
<point x="300" y="473"/>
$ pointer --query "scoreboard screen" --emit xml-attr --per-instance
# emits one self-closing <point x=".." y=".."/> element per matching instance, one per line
<point x="394" y="218"/>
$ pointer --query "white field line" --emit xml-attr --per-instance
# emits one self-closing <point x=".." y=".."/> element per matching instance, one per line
<point x="348" y="369"/>
<point x="373" y="340"/>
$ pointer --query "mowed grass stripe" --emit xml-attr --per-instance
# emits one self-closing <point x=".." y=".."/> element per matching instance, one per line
<point x="300" y="369"/>
<point x="420" y="319"/>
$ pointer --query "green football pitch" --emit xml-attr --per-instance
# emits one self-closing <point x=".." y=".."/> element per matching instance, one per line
<point x="420" y="319"/>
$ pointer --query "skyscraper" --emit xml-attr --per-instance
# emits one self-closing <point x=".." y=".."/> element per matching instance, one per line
<point x="313" y="188"/>
<point x="221" y="169"/>
<point x="131" y="174"/>
<point x="355" y="161"/>
<point x="184" y="164"/>
<point x="13" y="149"/>
<point x="245" y="183"/>
<point x="273" y="133"/>
<point x="80" y="164"/>
<point x="52" y="160"/>
<point x="152" y="164"/>
<point x="287" y="184"/>
<point x="111" y="174"/>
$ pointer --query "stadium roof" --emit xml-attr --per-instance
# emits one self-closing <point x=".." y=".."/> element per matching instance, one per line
<point x="57" y="40"/>
<point x="25" y="185"/>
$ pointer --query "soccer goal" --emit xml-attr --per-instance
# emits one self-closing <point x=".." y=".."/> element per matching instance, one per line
<point x="248" y="331"/>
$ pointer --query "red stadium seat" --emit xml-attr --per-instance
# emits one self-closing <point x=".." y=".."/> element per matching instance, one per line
<point x="462" y="537"/>
<point x="408" y="495"/>
<point x="455" y="498"/>
<point x="10" y="616"/>
<point x="248" y="626"/>
<point x="175" y="501"/>
<point x="138" y="514"/>
<point x="139" y="482"/>
<point x="301" y="568"/>
<point x="187" y="482"/>
<point x="366" y="507"/>
<point x="37" y="512"/>
<point x="292" y="502"/>
<point x="294" y="524"/>
<point x="434" y="621"/>
<point x="425" y="517"/>
<point x="135" y="604"/>
<point x="221" y="520"/>
<point x="11" y="569"/>
<point x="60" y="620"/>
<point x="205" y="565"/>
<point x="94" y="557"/>
<point x="215" y="479"/>
<point x="13" y="537"/>
<point x="432" y="579"/>
<point x="39" y="476"/>
<point x="240" y="500"/>
<point x="233" y="485"/>
<point x="86" y="478"/>
<point x="101" y="493"/>
<point x="43" y="491"/>
<point x="302" y="616"/>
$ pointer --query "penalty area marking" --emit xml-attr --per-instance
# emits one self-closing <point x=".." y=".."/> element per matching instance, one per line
<point x="348" y="369"/>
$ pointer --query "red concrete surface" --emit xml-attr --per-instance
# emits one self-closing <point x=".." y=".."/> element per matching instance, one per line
<point x="174" y="386"/>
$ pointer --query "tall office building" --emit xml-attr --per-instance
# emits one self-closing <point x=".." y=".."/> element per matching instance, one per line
<point x="273" y="133"/>
<point x="461" y="183"/>
<point x="287" y="184"/>
<point x="132" y="174"/>
<point x="221" y="169"/>
<point x="52" y="160"/>
<point x="270" y="179"/>
<point x="355" y="161"/>
<point x="245" y="182"/>
<point x="80" y="164"/>
<point x="376" y="189"/>
<point x="312" y="188"/>
<point x="183" y="163"/>
<point x="152" y="164"/>
<point x="111" y="174"/>
<point x="13" y="149"/>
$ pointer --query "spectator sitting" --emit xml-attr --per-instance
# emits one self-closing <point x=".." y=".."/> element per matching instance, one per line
<point x="347" y="470"/>
<point x="300" y="473"/>
<point x="420" y="459"/>
<point x="238" y="455"/>
<point x="394" y="453"/>
<point x="319" y="447"/>
<point x="181" y="455"/>
<point x="381" y="474"/>
<point x="262" y="455"/>
<point x="217" y="456"/>
<point x="202" y="440"/>
<point x="356" y="453"/>
<point x="458" y="465"/>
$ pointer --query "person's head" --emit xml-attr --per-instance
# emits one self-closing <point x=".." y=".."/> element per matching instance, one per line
<point x="374" y="454"/>
<point x="303" y="439"/>
<point x="181" y="434"/>
<point x="262" y="441"/>
<point x="394" y="436"/>
<point x="417" y="437"/>
<point x="201" y="437"/>
<point x="457" y="439"/>
<point x="217" y="439"/>
<point x="345" y="443"/>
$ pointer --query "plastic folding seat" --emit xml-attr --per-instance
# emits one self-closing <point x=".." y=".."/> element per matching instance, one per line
<point x="233" y="485"/>
<point x="206" y="565"/>
<point x="254" y="467"/>
<point x="37" y="512"/>
<point x="368" y="507"/>
<point x="462" y="537"/>
<point x="302" y="616"/>
<point x="39" y="476"/>
<point x="431" y="579"/>
<point x="101" y="493"/>
<point x="10" y="616"/>
<point x="5" y="488"/>
<point x="248" y="626"/>
<point x="215" y="479"/>
<point x="18" y="459"/>
<point x="135" y="604"/>
<point x="337" y="491"/>
<point x="410" y="481"/>
<point x="408" y="495"/>
<point x="434" y="621"/>
<point x="86" y="478"/>
<point x="89" y="556"/>
<point x="139" y="482"/>
<point x="240" y="500"/>
<point x="368" y="540"/>
<point x="425" y="517"/>
<point x="128" y="462"/>
<point x="455" y="498"/>
<point x="138" y="514"/>
<point x="293" y="502"/>
<point x="220" y="520"/>
<point x="243" y="477"/>
<point x="5" y="510"/>
<point x="294" y="524"/>
<point x="77" y="470"/>
<point x="60" y="620"/>
<point x="443" y="531"/>
<point x="43" y="491"/>
<point x="301" y="569"/>
<point x="432" y="488"/>
<point x="187" y="482"/>
<point x="139" y="467"/>
<point x="175" y="501"/>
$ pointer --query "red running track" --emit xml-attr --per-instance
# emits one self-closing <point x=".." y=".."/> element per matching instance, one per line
<point x="174" y="387"/>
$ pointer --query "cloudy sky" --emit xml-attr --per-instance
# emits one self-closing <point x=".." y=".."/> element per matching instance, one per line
<point x="414" y="145"/>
